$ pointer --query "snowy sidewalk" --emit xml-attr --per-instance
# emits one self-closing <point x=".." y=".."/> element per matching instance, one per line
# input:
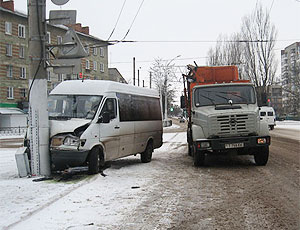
<point x="110" y="196"/>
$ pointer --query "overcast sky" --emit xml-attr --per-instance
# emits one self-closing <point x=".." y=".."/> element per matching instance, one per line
<point x="174" y="20"/>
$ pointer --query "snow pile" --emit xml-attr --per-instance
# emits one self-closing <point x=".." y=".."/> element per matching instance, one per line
<point x="288" y="125"/>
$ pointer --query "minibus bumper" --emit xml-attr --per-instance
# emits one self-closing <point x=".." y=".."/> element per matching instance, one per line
<point x="61" y="159"/>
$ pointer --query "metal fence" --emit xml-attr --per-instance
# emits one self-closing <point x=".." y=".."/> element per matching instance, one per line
<point x="11" y="131"/>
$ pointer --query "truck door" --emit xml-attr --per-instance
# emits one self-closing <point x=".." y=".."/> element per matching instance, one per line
<point x="109" y="132"/>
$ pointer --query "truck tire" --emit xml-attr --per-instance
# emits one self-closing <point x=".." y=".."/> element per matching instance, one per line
<point x="190" y="150"/>
<point x="199" y="158"/>
<point x="271" y="127"/>
<point x="146" y="156"/>
<point x="261" y="156"/>
<point x="95" y="161"/>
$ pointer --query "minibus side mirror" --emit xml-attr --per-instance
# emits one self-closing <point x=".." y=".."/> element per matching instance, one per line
<point x="104" y="118"/>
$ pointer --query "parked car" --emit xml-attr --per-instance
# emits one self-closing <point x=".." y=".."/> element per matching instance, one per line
<point x="268" y="115"/>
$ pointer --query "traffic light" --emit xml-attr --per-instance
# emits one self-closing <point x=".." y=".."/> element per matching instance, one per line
<point x="80" y="75"/>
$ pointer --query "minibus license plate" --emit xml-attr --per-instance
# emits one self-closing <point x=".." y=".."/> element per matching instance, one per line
<point x="234" y="145"/>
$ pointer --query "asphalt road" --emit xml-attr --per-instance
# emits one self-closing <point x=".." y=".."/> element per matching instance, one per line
<point x="230" y="192"/>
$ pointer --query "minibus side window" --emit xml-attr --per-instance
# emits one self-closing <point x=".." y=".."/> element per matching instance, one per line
<point x="270" y="113"/>
<point x="262" y="114"/>
<point x="110" y="106"/>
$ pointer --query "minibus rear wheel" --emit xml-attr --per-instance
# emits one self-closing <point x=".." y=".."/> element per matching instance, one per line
<point x="146" y="156"/>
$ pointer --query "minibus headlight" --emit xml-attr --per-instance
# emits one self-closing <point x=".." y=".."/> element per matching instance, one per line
<point x="71" y="141"/>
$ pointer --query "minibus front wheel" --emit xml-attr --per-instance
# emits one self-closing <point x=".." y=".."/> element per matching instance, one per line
<point x="95" y="160"/>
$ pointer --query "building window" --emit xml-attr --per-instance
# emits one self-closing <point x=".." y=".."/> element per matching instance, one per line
<point x="60" y="77"/>
<point x="101" y="52"/>
<point x="87" y="64"/>
<point x="101" y="67"/>
<point x="9" y="71"/>
<point x="48" y="37"/>
<point x="8" y="28"/>
<point x="95" y="51"/>
<point x="9" y="50"/>
<point x="48" y="76"/>
<point x="21" y="51"/>
<point x="23" y="93"/>
<point x="95" y="65"/>
<point x="59" y="40"/>
<point x="87" y="49"/>
<point x="23" y="72"/>
<point x="10" y="93"/>
<point x="21" y="31"/>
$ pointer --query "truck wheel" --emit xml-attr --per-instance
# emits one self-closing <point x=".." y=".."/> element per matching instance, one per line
<point x="261" y="156"/>
<point x="95" y="161"/>
<point x="199" y="158"/>
<point x="146" y="156"/>
<point x="190" y="150"/>
<point x="271" y="127"/>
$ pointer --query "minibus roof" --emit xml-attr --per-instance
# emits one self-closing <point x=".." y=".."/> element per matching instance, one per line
<point x="99" y="87"/>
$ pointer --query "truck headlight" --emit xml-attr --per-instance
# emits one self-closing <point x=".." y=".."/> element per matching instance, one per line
<point x="261" y="140"/>
<point x="204" y="144"/>
<point x="71" y="141"/>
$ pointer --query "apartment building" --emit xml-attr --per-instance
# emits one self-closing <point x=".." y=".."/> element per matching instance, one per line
<point x="290" y="76"/>
<point x="15" y="61"/>
<point x="275" y="99"/>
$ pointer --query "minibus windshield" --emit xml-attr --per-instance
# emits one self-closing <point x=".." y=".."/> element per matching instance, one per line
<point x="64" y="107"/>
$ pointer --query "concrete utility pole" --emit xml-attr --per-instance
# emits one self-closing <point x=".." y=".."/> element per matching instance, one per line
<point x="38" y="113"/>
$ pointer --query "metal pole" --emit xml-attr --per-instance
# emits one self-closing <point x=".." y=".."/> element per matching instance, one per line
<point x="133" y="70"/>
<point x="38" y="114"/>
<point x="166" y="104"/>
<point x="150" y="80"/>
<point x="138" y="77"/>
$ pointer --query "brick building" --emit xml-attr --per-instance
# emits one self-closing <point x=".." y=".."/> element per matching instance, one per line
<point x="15" y="62"/>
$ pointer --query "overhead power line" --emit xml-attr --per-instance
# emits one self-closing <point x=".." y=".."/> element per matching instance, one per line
<point x="194" y="41"/>
<point x="114" y="42"/>
<point x="117" y="20"/>
<point x="178" y="59"/>
<point x="133" y="20"/>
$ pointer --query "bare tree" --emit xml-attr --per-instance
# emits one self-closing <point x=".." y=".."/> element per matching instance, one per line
<point x="259" y="36"/>
<point x="163" y="75"/>
<point x="228" y="51"/>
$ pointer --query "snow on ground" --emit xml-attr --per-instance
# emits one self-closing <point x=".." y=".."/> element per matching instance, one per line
<point x="288" y="125"/>
<point x="5" y="136"/>
<point x="61" y="205"/>
<point x="173" y="126"/>
<point x="93" y="202"/>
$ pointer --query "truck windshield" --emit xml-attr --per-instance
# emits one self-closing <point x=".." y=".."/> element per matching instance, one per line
<point x="220" y="95"/>
<point x="64" y="107"/>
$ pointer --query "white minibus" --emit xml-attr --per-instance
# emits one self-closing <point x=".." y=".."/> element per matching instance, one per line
<point x="94" y="121"/>
<point x="268" y="115"/>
